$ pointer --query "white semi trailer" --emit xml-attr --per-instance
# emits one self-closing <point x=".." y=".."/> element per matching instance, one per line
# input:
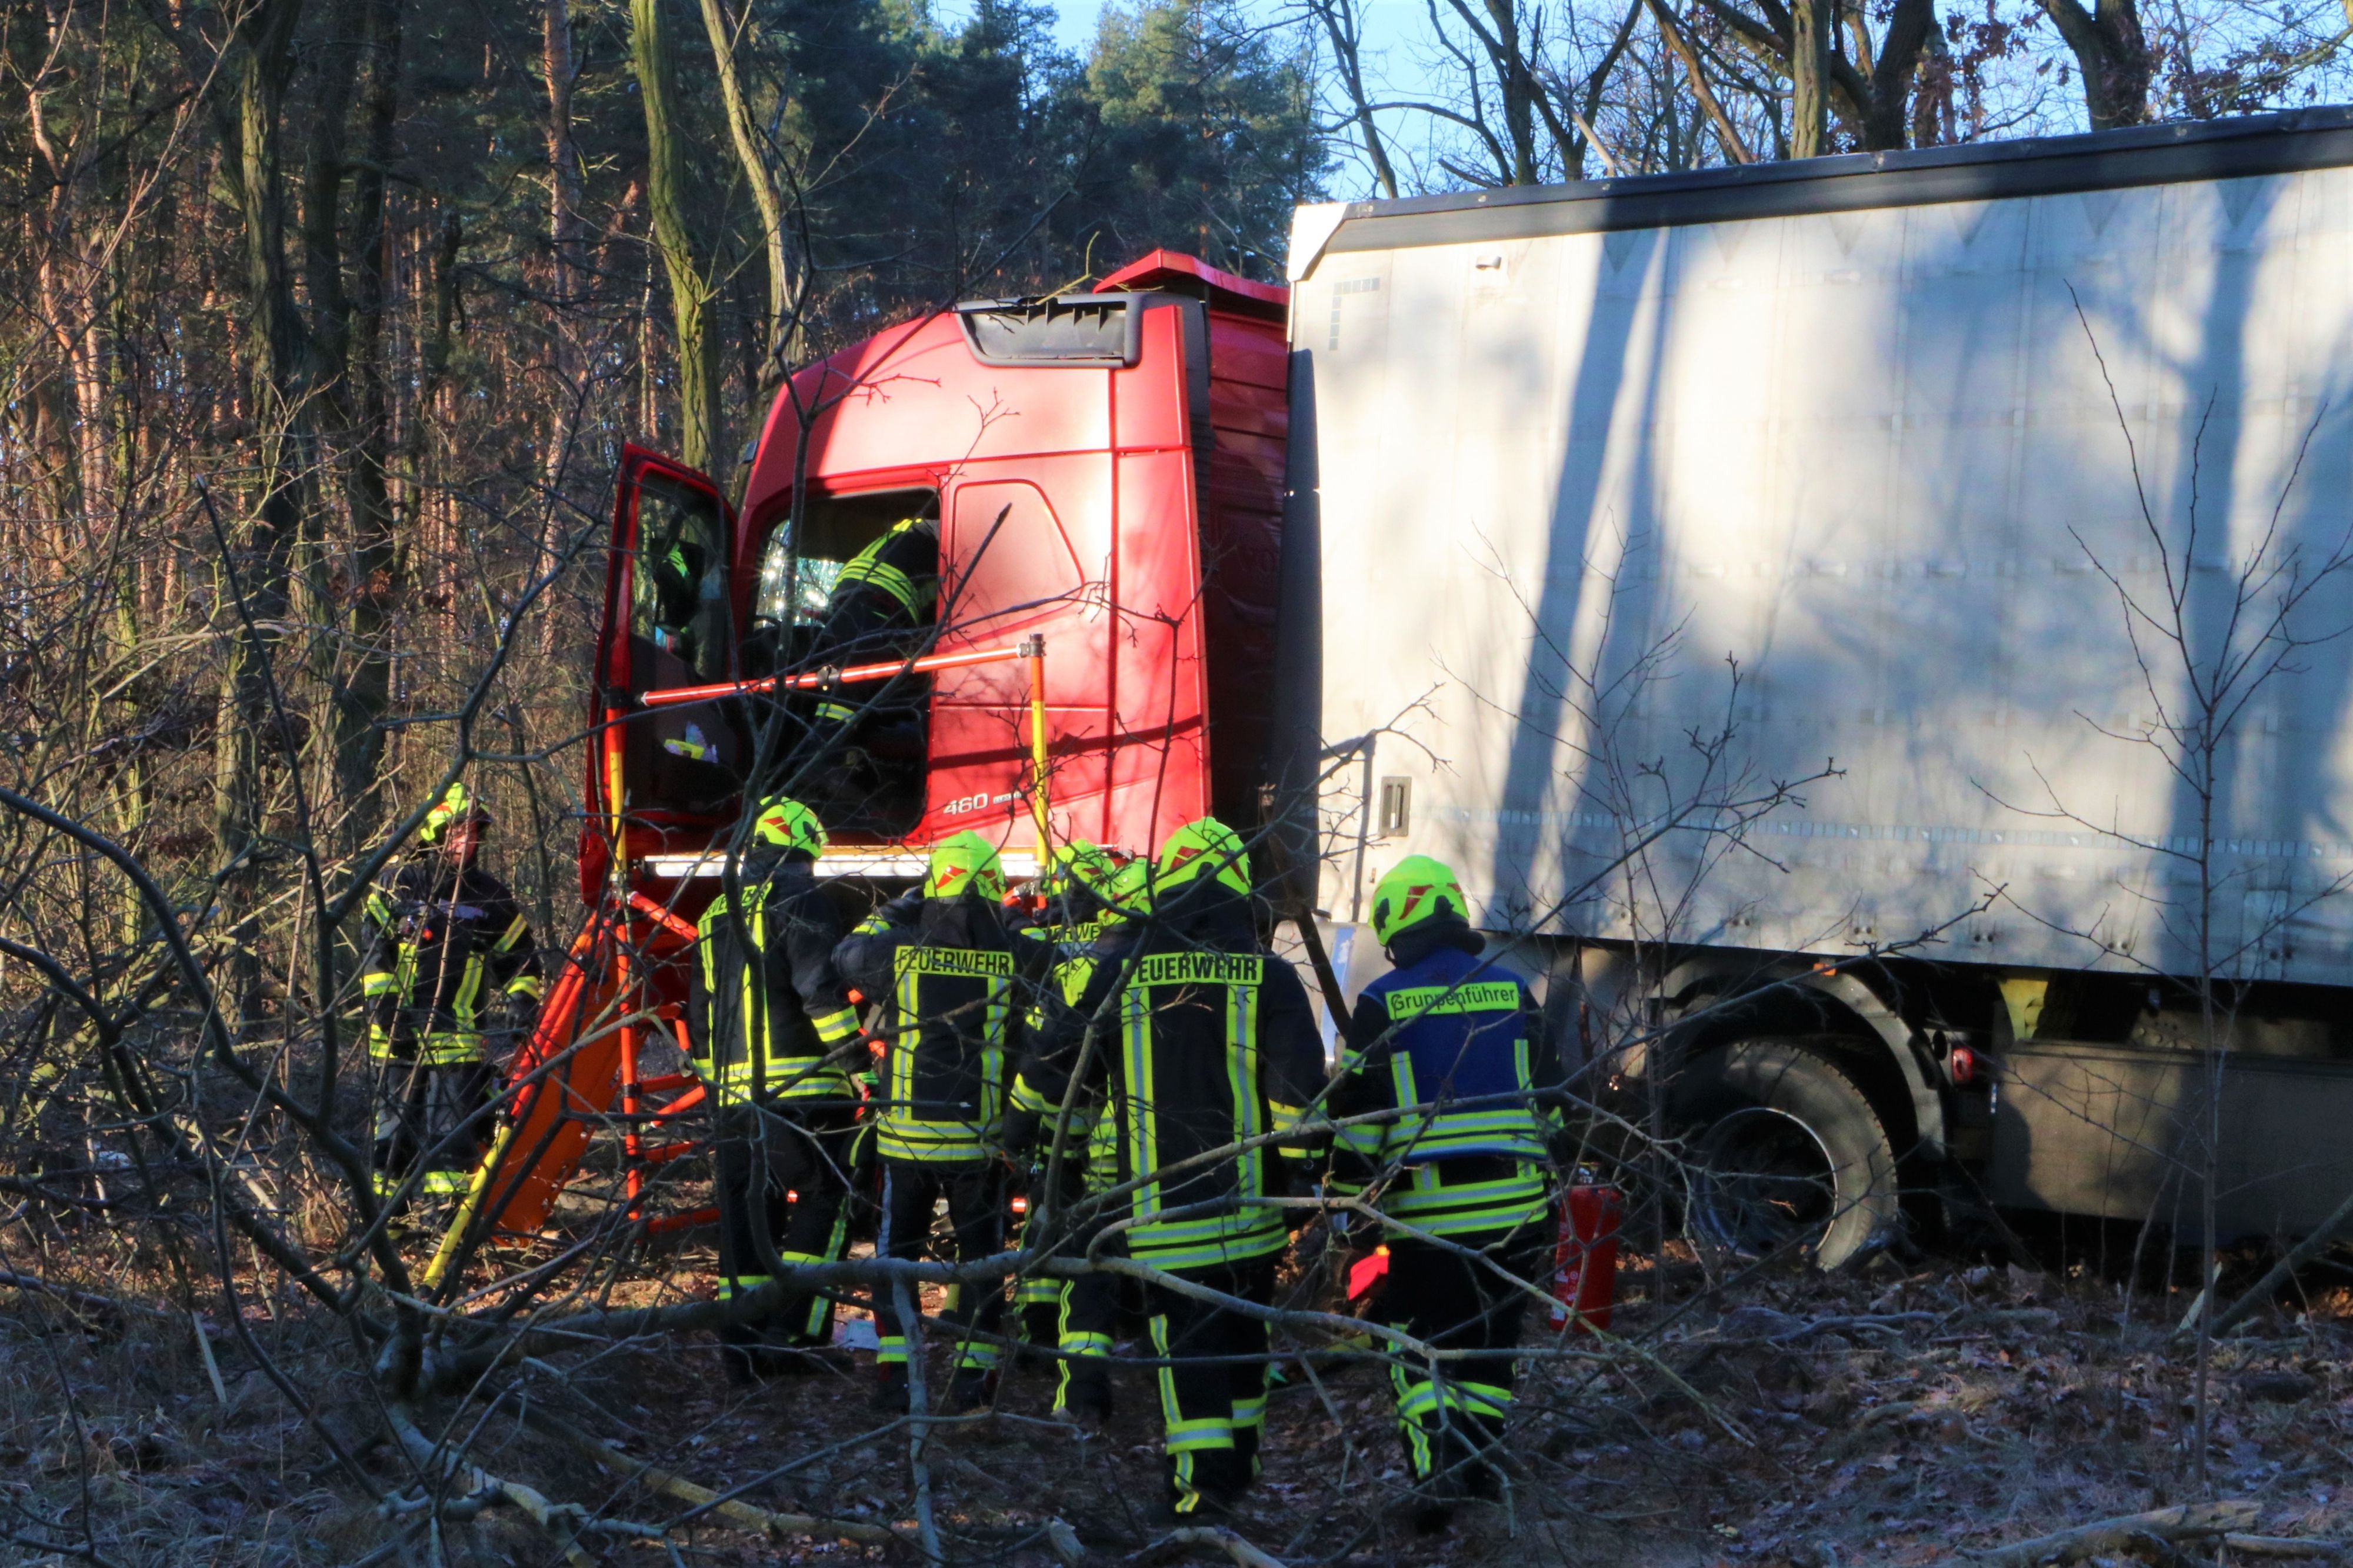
<point x="1975" y="462"/>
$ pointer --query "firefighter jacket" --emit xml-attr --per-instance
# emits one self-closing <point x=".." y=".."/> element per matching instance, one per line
<point x="1208" y="1042"/>
<point x="769" y="1009"/>
<point x="1456" y="1043"/>
<point x="449" y="958"/>
<point x="944" y="969"/>
<point x="1080" y="952"/>
<point x="886" y="593"/>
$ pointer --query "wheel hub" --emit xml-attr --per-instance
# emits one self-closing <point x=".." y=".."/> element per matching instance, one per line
<point x="1765" y="1182"/>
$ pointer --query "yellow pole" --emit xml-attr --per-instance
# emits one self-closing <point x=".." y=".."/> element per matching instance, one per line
<point x="467" y="1207"/>
<point x="1034" y="651"/>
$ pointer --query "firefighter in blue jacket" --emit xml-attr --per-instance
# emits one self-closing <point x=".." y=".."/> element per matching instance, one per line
<point x="943" y="966"/>
<point x="450" y="978"/>
<point x="1453" y="1044"/>
<point x="772" y="1027"/>
<point x="1211" y="1050"/>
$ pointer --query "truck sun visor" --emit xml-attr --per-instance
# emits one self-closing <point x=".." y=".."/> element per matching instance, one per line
<point x="1075" y="329"/>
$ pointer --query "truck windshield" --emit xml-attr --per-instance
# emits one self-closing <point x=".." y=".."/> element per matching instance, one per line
<point x="797" y="575"/>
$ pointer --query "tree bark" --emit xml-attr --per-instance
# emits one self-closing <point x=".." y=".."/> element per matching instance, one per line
<point x="2111" y="55"/>
<point x="363" y="693"/>
<point x="260" y="64"/>
<point x="781" y="339"/>
<point x="692" y="300"/>
<point x="568" y="266"/>
<point x="1885" y="118"/>
<point x="1810" y="78"/>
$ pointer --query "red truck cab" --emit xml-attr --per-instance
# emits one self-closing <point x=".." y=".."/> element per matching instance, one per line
<point x="1107" y="471"/>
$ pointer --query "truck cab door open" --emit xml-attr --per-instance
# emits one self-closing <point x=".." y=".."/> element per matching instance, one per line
<point x="670" y="621"/>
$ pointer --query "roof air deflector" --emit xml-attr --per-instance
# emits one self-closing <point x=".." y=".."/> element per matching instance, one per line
<point x="1072" y="329"/>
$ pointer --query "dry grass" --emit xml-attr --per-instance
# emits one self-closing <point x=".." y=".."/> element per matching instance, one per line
<point x="1991" y="1406"/>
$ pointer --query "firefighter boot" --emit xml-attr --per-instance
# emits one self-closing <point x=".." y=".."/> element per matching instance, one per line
<point x="890" y="1395"/>
<point x="973" y="1388"/>
<point x="1085" y="1391"/>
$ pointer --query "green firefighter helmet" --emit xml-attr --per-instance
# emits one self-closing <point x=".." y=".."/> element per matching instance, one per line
<point x="786" y="824"/>
<point x="457" y="804"/>
<point x="1415" y="892"/>
<point x="965" y="863"/>
<point x="1128" y="895"/>
<point x="1204" y="848"/>
<point x="1078" y="864"/>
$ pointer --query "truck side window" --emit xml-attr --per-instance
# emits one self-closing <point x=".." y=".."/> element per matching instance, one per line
<point x="678" y="590"/>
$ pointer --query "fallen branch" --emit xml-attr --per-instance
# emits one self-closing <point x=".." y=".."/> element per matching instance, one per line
<point x="1218" y="1537"/>
<point x="2184" y="1521"/>
<point x="2282" y="1546"/>
<point x="561" y="1521"/>
<point x="88" y="1300"/>
<point x="2320" y="1238"/>
<point x="641" y="1473"/>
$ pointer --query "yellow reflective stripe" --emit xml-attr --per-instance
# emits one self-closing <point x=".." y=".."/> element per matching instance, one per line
<point x="1142" y="1141"/>
<point x="879" y="574"/>
<point x="380" y="982"/>
<point x="525" y="985"/>
<point x="837" y="713"/>
<point x="446" y="1048"/>
<point x="514" y="934"/>
<point x="1241" y="1067"/>
<point x="835" y="1027"/>
<point x="1027" y="1098"/>
<point x="470" y="991"/>
<point x="379" y="908"/>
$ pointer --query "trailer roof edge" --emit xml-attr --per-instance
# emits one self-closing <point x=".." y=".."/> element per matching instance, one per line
<point x="2287" y="143"/>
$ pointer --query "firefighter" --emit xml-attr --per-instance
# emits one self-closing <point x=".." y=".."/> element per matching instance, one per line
<point x="1076" y="890"/>
<point x="881" y="607"/>
<point x="771" y="1017"/>
<point x="1454" y="1041"/>
<point x="1198" y="1040"/>
<point x="1079" y="1314"/>
<point x="450" y="977"/>
<point x="942" y="963"/>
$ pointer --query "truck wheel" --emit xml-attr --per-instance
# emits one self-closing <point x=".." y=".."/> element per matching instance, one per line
<point x="1788" y="1155"/>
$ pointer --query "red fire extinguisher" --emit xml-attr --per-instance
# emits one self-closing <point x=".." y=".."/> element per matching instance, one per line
<point x="1585" y="1259"/>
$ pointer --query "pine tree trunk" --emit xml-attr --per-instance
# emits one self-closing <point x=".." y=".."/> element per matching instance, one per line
<point x="692" y="300"/>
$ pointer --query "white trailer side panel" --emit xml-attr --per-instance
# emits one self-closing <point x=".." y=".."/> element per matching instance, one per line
<point x="1872" y="456"/>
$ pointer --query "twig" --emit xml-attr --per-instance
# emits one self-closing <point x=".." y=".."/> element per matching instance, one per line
<point x="212" y="1366"/>
<point x="561" y="1521"/>
<point x="2184" y="1521"/>
<point x="777" y="1526"/>
<point x="83" y="1299"/>
<point x="2282" y="1546"/>
<point x="1244" y="1554"/>
<point x="2297" y="1257"/>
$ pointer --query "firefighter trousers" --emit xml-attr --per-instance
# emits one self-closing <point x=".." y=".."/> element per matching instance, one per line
<point x="1450" y="1416"/>
<point x="1212" y="1411"/>
<point x="1086" y="1315"/>
<point x="422" y="1127"/>
<point x="782" y="1171"/>
<point x="975" y="1192"/>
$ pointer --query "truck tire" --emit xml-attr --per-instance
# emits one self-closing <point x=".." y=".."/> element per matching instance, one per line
<point x="1788" y="1156"/>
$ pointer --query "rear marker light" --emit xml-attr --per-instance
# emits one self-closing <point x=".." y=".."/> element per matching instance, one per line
<point x="1963" y="1065"/>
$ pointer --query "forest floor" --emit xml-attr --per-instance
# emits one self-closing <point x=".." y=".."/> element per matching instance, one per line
<point x="1901" y="1416"/>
